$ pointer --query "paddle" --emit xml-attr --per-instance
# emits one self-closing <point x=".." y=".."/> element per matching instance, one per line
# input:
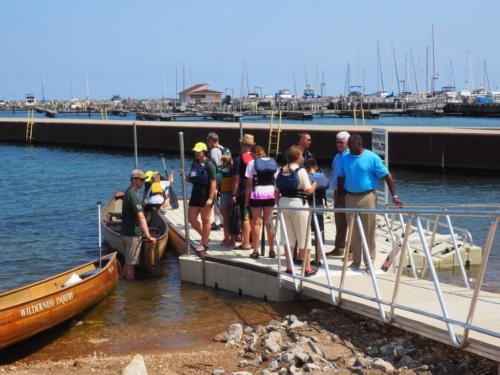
<point x="99" y="232"/>
<point x="174" y="202"/>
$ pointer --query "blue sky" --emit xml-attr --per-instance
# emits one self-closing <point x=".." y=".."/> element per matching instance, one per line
<point x="127" y="46"/>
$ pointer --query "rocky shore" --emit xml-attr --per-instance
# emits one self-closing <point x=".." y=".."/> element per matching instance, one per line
<point x="323" y="341"/>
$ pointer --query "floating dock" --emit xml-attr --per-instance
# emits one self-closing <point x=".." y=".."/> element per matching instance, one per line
<point x="428" y="148"/>
<point x="235" y="271"/>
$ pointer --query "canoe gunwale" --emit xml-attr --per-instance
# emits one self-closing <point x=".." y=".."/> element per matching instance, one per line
<point x="110" y="258"/>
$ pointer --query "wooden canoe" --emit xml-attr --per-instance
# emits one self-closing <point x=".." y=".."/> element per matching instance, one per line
<point x="111" y="224"/>
<point x="37" y="307"/>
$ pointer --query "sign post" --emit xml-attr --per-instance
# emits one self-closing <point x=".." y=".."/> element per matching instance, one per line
<point x="380" y="146"/>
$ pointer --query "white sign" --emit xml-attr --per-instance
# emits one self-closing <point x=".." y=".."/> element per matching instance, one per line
<point x="380" y="146"/>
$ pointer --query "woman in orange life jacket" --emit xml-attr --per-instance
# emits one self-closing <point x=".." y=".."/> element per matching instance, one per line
<point x="260" y="197"/>
<point x="295" y="186"/>
<point x="203" y="177"/>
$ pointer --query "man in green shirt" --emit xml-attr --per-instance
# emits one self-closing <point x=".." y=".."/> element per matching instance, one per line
<point x="133" y="225"/>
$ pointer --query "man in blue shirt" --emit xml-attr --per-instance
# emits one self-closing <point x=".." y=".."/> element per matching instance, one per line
<point x="358" y="177"/>
<point x="339" y="200"/>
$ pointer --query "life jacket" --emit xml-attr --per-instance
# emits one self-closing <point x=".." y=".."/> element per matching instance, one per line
<point x="226" y="180"/>
<point x="157" y="188"/>
<point x="288" y="184"/>
<point x="198" y="174"/>
<point x="322" y="184"/>
<point x="244" y="160"/>
<point x="265" y="168"/>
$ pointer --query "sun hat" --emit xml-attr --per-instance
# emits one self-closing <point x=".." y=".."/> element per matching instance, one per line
<point x="199" y="147"/>
<point x="248" y="139"/>
<point x="138" y="173"/>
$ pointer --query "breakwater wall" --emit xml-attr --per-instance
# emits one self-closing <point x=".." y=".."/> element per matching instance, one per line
<point x="429" y="148"/>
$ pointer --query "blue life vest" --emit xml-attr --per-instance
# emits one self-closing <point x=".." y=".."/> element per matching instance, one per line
<point x="288" y="184"/>
<point x="321" y="187"/>
<point x="265" y="168"/>
<point x="198" y="174"/>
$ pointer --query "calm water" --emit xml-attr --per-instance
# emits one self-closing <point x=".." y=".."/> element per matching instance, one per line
<point x="49" y="224"/>
<point x="450" y="121"/>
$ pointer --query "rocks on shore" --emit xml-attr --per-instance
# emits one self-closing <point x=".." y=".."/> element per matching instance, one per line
<point x="137" y="366"/>
<point x="297" y="346"/>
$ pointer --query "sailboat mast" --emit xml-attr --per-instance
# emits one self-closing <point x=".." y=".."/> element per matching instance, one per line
<point x="426" y="70"/>
<point x="396" y="68"/>
<point x="433" y="83"/>
<point x="294" y="83"/>
<point x="87" y="84"/>
<point x="414" y="70"/>
<point x="379" y="62"/>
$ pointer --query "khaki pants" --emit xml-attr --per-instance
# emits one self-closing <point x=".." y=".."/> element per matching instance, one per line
<point x="362" y="201"/>
<point x="340" y="225"/>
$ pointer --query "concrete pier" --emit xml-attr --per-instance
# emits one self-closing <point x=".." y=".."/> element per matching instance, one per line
<point x="428" y="148"/>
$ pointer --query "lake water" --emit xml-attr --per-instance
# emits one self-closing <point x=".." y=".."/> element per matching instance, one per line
<point x="49" y="224"/>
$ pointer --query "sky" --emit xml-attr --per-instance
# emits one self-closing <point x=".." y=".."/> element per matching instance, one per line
<point x="133" y="48"/>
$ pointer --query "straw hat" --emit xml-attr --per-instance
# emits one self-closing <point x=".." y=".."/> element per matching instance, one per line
<point x="248" y="139"/>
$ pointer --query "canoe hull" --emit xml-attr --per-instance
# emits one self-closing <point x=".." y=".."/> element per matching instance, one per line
<point x="27" y="318"/>
<point x="150" y="255"/>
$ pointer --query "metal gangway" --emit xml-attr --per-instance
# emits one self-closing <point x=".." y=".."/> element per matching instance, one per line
<point x="451" y="308"/>
<point x="460" y="314"/>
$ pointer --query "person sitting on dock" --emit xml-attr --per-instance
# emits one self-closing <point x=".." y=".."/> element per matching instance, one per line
<point x="294" y="186"/>
<point x="359" y="173"/>
<point x="133" y="225"/>
<point x="260" y="197"/>
<point x="239" y="187"/>
<point x="339" y="199"/>
<point x="203" y="177"/>
<point x="226" y="199"/>
<point x="157" y="194"/>
<point x="216" y="152"/>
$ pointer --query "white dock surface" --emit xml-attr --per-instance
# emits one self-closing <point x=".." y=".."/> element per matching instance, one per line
<point x="418" y="294"/>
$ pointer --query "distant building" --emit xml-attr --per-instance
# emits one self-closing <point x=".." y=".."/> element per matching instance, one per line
<point x="200" y="94"/>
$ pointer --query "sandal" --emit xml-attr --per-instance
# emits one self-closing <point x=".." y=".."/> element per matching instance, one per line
<point x="240" y="247"/>
<point x="254" y="255"/>
<point x="201" y="248"/>
<point x="288" y="270"/>
<point x="310" y="272"/>
<point x="272" y="254"/>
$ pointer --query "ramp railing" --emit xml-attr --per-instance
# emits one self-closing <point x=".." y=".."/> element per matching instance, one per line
<point x="411" y="220"/>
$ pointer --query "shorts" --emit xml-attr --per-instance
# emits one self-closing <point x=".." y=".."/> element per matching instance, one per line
<point x="131" y="250"/>
<point x="226" y="200"/>
<point x="198" y="199"/>
<point x="255" y="203"/>
<point x="245" y="211"/>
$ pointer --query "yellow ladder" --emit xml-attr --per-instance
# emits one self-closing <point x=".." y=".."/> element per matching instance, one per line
<point x="274" y="137"/>
<point x="29" y="125"/>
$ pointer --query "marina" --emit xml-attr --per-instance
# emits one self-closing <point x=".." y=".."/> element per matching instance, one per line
<point x="249" y="188"/>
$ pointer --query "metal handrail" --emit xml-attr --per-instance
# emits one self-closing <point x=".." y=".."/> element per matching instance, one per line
<point x="413" y="215"/>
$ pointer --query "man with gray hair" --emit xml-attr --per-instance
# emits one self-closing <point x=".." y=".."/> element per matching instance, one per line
<point x="339" y="198"/>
